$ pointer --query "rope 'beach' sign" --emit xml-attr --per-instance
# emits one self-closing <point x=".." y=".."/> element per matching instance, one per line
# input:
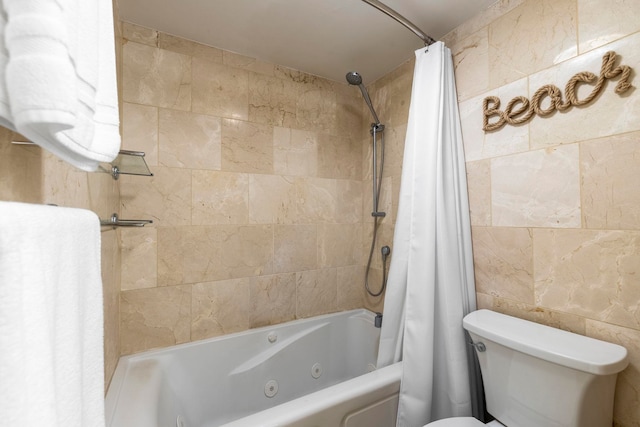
<point x="520" y="109"/>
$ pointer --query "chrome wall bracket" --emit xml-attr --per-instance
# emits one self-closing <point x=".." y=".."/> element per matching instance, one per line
<point x="114" y="222"/>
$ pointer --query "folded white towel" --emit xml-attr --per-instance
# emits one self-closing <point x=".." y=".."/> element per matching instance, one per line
<point x="51" y="339"/>
<point x="59" y="77"/>
<point x="5" y="107"/>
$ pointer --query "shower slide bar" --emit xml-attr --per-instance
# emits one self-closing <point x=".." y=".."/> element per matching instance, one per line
<point x="428" y="40"/>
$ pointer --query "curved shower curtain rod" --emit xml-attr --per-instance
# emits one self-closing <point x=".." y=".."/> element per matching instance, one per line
<point x="428" y="40"/>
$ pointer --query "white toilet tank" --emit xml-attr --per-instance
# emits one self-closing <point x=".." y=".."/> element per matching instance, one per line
<point x="538" y="376"/>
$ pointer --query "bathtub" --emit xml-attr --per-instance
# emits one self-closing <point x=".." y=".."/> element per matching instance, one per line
<point x="312" y="372"/>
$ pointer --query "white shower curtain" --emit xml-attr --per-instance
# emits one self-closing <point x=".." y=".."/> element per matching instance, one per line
<point x="431" y="283"/>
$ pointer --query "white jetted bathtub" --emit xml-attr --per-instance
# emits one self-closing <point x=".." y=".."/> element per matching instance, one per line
<point x="312" y="372"/>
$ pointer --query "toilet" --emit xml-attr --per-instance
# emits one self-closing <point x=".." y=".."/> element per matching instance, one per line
<point x="538" y="376"/>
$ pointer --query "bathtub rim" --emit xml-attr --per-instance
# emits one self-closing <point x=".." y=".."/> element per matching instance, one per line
<point x="384" y="382"/>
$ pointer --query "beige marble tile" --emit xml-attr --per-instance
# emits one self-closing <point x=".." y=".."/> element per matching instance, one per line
<point x="367" y="150"/>
<point x="555" y="319"/>
<point x="245" y="250"/>
<point x="188" y="47"/>
<point x="479" y="144"/>
<point x="589" y="273"/>
<point x="601" y="21"/>
<point x="219" y="308"/>
<point x="54" y="181"/>
<point x="164" y="198"/>
<point x="295" y="247"/>
<point x="219" y="90"/>
<point x="21" y="170"/>
<point x="139" y="258"/>
<point x="401" y="92"/>
<point x="375" y="304"/>
<point x="316" y="292"/>
<point x="350" y="281"/>
<point x="220" y="198"/>
<point x="339" y="157"/>
<point x="272" y="101"/>
<point x="295" y="152"/>
<point x="626" y="408"/>
<point x="316" y="199"/>
<point x="247" y="147"/>
<point x="110" y="265"/>
<point x="608" y="114"/>
<point x="156" y="77"/>
<point x="316" y="108"/>
<point x="610" y="170"/>
<point x="531" y="37"/>
<point x="156" y="317"/>
<point x="62" y="184"/>
<point x="103" y="194"/>
<point x="209" y="253"/>
<point x="272" y="299"/>
<point x="391" y="96"/>
<point x="140" y="130"/>
<point x="396" y="183"/>
<point x="349" y="196"/>
<point x="309" y="80"/>
<point x="503" y="259"/>
<point x="248" y="63"/>
<point x="138" y="34"/>
<point x="189" y="140"/>
<point x="471" y="64"/>
<point x="338" y="245"/>
<point x="293" y="75"/>
<point x="484" y="301"/>
<point x="384" y="237"/>
<point x="394" y="138"/>
<point x="537" y="189"/>
<point x="480" y="20"/>
<point x="348" y="111"/>
<point x="188" y="255"/>
<point x="367" y="166"/>
<point x="479" y="188"/>
<point x="272" y="199"/>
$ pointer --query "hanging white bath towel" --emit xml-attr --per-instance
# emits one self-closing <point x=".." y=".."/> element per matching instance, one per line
<point x="58" y="77"/>
<point x="431" y="283"/>
<point x="51" y="339"/>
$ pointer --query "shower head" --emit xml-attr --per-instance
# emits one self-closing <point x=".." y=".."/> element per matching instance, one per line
<point x="354" y="78"/>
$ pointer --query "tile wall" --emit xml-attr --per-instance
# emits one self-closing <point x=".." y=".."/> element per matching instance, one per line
<point x="555" y="202"/>
<point x="256" y="196"/>
<point x="254" y="159"/>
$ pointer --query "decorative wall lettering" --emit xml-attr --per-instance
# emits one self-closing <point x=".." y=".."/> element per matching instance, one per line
<point x="520" y="110"/>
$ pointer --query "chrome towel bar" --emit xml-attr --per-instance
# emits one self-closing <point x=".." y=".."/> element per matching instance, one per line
<point x="114" y="222"/>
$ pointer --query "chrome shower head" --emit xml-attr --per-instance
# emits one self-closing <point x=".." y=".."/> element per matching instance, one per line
<point x="354" y="78"/>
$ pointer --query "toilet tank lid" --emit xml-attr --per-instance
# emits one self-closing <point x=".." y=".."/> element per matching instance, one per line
<point x="547" y="343"/>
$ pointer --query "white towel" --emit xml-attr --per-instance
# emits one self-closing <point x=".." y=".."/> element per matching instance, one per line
<point x="51" y="330"/>
<point x="58" y="77"/>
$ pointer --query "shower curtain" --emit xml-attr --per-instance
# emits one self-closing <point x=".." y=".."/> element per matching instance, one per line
<point x="431" y="283"/>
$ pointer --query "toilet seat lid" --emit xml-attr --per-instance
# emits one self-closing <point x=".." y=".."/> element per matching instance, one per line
<point x="457" y="422"/>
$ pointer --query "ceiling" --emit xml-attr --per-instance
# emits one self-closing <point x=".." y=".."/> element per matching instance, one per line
<point x="326" y="38"/>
